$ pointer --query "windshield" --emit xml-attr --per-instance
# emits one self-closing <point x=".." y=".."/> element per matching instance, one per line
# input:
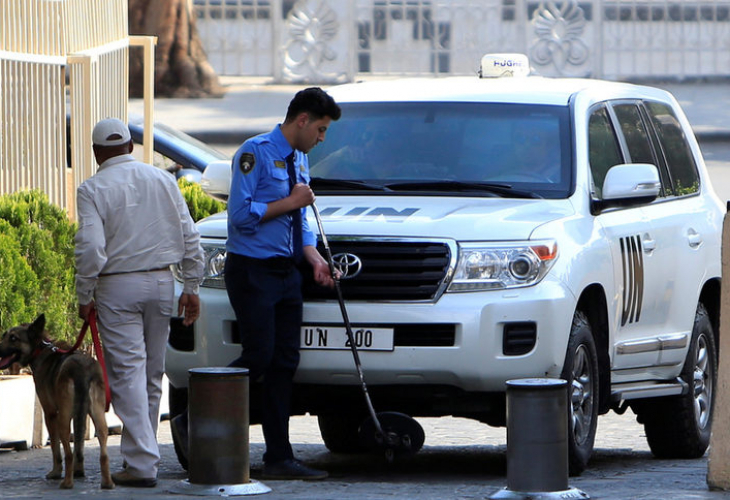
<point x="416" y="147"/>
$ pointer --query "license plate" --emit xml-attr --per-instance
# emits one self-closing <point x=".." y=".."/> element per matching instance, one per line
<point x="335" y="337"/>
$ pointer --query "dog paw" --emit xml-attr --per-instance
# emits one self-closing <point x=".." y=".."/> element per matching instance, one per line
<point x="107" y="485"/>
<point x="54" y="474"/>
<point x="67" y="485"/>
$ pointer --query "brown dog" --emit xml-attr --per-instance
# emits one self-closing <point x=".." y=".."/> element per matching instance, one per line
<point x="69" y="386"/>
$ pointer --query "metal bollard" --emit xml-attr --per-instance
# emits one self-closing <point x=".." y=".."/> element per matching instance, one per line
<point x="218" y="426"/>
<point x="537" y="441"/>
<point x="218" y="434"/>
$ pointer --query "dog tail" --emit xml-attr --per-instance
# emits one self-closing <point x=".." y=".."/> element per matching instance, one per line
<point x="80" y="409"/>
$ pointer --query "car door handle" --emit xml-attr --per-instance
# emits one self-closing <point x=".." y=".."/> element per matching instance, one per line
<point x="694" y="238"/>
<point x="648" y="244"/>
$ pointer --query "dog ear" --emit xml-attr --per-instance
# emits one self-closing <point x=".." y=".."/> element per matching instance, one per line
<point x="36" y="328"/>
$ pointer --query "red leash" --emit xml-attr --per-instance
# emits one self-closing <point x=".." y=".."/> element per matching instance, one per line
<point x="99" y="354"/>
<point x="97" y="349"/>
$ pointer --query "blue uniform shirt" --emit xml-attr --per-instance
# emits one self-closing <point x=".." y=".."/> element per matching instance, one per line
<point x="259" y="176"/>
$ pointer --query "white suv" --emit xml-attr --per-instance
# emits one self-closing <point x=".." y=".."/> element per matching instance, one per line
<point x="494" y="228"/>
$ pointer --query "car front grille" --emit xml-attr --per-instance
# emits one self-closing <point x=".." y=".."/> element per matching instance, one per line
<point x="403" y="270"/>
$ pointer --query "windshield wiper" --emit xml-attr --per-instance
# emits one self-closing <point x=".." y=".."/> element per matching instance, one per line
<point x="324" y="183"/>
<point x="501" y="189"/>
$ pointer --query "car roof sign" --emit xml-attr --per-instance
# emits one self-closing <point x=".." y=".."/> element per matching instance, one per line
<point x="504" y="65"/>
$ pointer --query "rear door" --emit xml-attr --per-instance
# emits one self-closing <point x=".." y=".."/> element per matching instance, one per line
<point x="631" y="296"/>
<point x="681" y="228"/>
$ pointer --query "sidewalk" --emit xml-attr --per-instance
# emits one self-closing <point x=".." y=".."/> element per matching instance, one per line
<point x="253" y="105"/>
<point x="461" y="459"/>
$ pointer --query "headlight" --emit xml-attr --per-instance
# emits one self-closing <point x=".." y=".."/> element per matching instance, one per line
<point x="215" y="260"/>
<point x="489" y="267"/>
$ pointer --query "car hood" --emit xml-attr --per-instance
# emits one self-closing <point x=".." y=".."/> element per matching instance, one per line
<point x="462" y="219"/>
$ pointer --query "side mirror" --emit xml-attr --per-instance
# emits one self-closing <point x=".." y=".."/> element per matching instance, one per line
<point x="191" y="174"/>
<point x="629" y="184"/>
<point x="216" y="180"/>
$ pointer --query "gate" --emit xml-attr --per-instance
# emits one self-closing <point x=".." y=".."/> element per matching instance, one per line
<point x="333" y="41"/>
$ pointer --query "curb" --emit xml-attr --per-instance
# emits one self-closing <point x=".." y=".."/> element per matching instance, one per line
<point x="713" y="136"/>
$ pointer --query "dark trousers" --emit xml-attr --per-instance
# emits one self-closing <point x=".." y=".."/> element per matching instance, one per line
<point x="266" y="297"/>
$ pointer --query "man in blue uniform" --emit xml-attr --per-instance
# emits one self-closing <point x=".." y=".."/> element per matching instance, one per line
<point x="268" y="236"/>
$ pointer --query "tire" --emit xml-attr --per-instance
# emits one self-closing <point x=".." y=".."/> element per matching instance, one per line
<point x="340" y="431"/>
<point x="581" y="371"/>
<point x="178" y="401"/>
<point x="680" y="426"/>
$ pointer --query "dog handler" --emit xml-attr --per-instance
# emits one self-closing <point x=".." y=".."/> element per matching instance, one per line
<point x="133" y="224"/>
<point x="267" y="235"/>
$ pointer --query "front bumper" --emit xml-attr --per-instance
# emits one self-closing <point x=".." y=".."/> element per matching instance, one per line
<point x="475" y="360"/>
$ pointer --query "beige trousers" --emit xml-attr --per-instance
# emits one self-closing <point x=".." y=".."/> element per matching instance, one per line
<point x="133" y="313"/>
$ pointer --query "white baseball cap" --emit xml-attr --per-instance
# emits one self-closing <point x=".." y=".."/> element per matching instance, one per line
<point x="111" y="132"/>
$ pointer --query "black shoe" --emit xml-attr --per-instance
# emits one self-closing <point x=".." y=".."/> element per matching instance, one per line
<point x="179" y="428"/>
<point x="291" y="469"/>
<point x="125" y="478"/>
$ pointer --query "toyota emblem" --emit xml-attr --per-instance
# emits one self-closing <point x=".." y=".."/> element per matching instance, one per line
<point x="349" y="265"/>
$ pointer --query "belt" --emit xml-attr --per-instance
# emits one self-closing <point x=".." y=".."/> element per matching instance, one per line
<point x="276" y="263"/>
<point x="166" y="268"/>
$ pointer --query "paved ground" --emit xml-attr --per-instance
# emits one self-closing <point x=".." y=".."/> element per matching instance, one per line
<point x="461" y="459"/>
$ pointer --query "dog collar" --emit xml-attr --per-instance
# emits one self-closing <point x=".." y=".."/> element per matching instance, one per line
<point x="44" y="344"/>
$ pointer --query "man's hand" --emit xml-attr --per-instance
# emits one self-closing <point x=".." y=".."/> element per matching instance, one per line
<point x="188" y="304"/>
<point x="85" y="310"/>
<point x="322" y="275"/>
<point x="301" y="195"/>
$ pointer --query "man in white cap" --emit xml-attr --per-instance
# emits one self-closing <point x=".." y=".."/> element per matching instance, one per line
<point x="133" y="224"/>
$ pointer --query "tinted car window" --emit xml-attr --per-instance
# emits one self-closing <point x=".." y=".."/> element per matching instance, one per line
<point x="604" y="150"/>
<point x="524" y="146"/>
<point x="637" y="139"/>
<point x="158" y="160"/>
<point x="680" y="162"/>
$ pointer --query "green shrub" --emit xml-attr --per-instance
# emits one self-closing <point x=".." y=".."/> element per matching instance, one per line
<point x="37" y="264"/>
<point x="200" y="204"/>
<point x="37" y="268"/>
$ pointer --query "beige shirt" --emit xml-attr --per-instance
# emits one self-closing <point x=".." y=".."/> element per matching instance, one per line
<point x="132" y="217"/>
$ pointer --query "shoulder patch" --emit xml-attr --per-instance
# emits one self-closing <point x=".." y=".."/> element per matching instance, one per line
<point x="247" y="162"/>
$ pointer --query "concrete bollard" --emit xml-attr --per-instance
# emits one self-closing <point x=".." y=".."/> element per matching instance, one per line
<point x="218" y="424"/>
<point x="537" y="441"/>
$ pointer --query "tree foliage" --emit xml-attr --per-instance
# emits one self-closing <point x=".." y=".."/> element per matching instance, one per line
<point x="37" y="264"/>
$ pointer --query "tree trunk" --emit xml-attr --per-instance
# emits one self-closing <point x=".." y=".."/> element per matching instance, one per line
<point x="181" y="65"/>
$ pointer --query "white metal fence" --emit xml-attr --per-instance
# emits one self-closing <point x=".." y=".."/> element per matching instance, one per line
<point x="336" y="40"/>
<point x="45" y="48"/>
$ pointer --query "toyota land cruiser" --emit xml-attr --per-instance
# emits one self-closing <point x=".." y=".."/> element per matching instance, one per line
<point x="500" y="227"/>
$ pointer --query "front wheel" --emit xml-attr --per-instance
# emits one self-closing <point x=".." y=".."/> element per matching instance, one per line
<point x="178" y="400"/>
<point x="581" y="371"/>
<point x="680" y="426"/>
<point x="339" y="431"/>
